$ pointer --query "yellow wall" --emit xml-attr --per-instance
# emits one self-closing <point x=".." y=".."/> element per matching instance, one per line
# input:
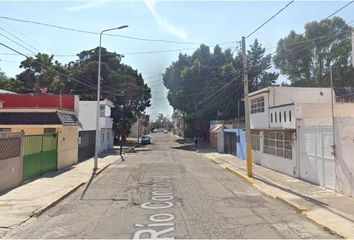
<point x="67" y="146"/>
<point x="30" y="129"/>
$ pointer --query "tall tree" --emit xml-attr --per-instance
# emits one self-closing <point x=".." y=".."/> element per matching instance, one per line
<point x="206" y="85"/>
<point x="306" y="58"/>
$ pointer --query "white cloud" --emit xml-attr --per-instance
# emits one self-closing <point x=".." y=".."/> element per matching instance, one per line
<point x="87" y="4"/>
<point x="179" y="32"/>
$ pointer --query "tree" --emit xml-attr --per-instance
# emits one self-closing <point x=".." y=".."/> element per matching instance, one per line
<point x="206" y="86"/>
<point x="258" y="75"/>
<point x="306" y="58"/>
<point x="122" y="84"/>
<point x="162" y="122"/>
<point x="40" y="72"/>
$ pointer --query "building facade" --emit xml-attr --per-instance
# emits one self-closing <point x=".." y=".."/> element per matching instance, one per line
<point x="87" y="117"/>
<point x="291" y="131"/>
<point x="36" y="115"/>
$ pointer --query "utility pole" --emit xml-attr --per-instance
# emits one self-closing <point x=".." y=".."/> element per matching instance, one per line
<point x="238" y="113"/>
<point x="247" y="112"/>
<point x="332" y="105"/>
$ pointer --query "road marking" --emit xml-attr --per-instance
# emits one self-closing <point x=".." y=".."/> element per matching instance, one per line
<point x="161" y="199"/>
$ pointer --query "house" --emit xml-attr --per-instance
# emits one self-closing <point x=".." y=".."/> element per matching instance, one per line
<point x="292" y="131"/>
<point x="50" y="126"/>
<point x="87" y="117"/>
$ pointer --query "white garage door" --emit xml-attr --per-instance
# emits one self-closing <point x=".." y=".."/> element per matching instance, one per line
<point x="316" y="159"/>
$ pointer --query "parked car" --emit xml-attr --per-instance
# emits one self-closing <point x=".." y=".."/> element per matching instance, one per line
<point x="165" y="131"/>
<point x="145" y="140"/>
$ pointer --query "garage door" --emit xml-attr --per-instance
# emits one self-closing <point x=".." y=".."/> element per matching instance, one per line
<point x="316" y="159"/>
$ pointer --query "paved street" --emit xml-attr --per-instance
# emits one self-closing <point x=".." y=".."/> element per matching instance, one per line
<point x="167" y="190"/>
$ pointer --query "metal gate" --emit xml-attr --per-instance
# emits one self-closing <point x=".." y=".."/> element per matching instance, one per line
<point x="316" y="158"/>
<point x="230" y="143"/>
<point x="40" y="155"/>
<point x="87" y="143"/>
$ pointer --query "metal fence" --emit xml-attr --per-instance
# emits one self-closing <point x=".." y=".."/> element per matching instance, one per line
<point x="40" y="155"/>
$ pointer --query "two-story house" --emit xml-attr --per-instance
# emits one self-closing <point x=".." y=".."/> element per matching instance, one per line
<point x="87" y="117"/>
<point x="292" y="131"/>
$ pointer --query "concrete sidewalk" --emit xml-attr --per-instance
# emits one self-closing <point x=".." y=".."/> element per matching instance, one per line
<point x="33" y="198"/>
<point x="326" y="207"/>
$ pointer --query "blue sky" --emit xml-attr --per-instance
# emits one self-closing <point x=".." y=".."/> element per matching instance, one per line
<point x="207" y="22"/>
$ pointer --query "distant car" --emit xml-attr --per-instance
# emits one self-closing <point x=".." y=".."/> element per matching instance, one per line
<point x="145" y="140"/>
<point x="165" y="131"/>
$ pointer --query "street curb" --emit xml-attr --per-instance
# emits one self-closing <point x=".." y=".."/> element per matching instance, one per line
<point x="241" y="175"/>
<point x="102" y="169"/>
<point x="215" y="160"/>
<point x="131" y="149"/>
<point x="331" y="230"/>
<point x="302" y="210"/>
<point x="41" y="210"/>
<point x="38" y="212"/>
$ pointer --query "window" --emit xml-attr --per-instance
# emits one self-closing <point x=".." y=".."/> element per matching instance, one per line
<point x="275" y="115"/>
<point x="50" y="131"/>
<point x="289" y="115"/>
<point x="255" y="140"/>
<point x="102" y="111"/>
<point x="279" y="116"/>
<point x="278" y="143"/>
<point x="271" y="117"/>
<point x="284" y="116"/>
<point x="5" y="129"/>
<point x="257" y="105"/>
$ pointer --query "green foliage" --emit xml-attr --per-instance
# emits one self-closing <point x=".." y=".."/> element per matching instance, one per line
<point x="120" y="83"/>
<point x="306" y="58"/>
<point x="207" y="86"/>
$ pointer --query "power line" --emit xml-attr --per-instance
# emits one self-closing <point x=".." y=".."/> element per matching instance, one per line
<point x="287" y="5"/>
<point x="97" y="33"/>
<point x="340" y="9"/>
<point x="19" y="44"/>
<point x="60" y="73"/>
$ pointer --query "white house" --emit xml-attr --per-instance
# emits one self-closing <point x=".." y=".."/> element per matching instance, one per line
<point x="291" y="132"/>
<point x="87" y="117"/>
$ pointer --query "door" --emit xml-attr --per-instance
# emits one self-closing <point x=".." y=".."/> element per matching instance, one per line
<point x="316" y="159"/>
<point x="87" y="143"/>
<point x="40" y="155"/>
<point x="227" y="142"/>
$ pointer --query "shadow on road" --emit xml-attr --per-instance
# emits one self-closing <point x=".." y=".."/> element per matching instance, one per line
<point x="88" y="184"/>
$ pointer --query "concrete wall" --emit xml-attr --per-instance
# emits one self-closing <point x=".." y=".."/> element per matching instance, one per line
<point x="11" y="167"/>
<point x="344" y="164"/>
<point x="67" y="146"/>
<point x="106" y="139"/>
<point x="287" y="95"/>
<point x="87" y="115"/>
<point x="313" y="111"/>
<point x="220" y="143"/>
<point x="260" y="120"/>
<point x="283" y="165"/>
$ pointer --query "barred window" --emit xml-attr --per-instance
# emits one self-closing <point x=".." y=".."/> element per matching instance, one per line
<point x="278" y="143"/>
<point x="255" y="140"/>
<point x="257" y="105"/>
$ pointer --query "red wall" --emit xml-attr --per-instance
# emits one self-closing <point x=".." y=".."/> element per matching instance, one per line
<point x="37" y="101"/>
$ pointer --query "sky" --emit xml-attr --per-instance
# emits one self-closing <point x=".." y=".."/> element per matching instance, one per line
<point x="185" y="23"/>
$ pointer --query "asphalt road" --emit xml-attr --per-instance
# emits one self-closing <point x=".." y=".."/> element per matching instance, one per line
<point x="167" y="190"/>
